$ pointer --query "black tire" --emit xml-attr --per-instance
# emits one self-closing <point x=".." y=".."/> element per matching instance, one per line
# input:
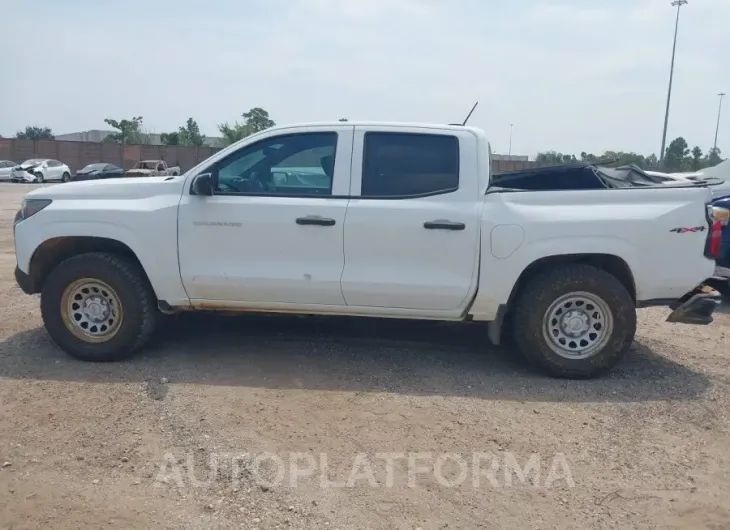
<point x="529" y="320"/>
<point x="135" y="296"/>
<point x="66" y="177"/>
<point x="39" y="177"/>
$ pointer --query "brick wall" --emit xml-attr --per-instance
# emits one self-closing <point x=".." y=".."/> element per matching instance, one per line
<point x="79" y="154"/>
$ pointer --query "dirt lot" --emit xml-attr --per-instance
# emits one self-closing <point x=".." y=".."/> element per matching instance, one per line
<point x="131" y="445"/>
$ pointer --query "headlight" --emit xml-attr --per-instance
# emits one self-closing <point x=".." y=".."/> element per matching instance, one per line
<point x="30" y="207"/>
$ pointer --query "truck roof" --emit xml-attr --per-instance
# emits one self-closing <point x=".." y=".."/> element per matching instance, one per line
<point x="441" y="126"/>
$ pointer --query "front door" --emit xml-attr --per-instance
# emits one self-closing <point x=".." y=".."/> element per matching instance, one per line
<point x="412" y="228"/>
<point x="272" y="233"/>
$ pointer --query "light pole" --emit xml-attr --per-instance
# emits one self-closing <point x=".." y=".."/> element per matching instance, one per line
<point x="678" y="4"/>
<point x="719" y="113"/>
<point x="511" y="126"/>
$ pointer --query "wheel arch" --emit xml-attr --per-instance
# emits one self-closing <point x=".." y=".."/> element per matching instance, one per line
<point x="55" y="250"/>
<point x="614" y="265"/>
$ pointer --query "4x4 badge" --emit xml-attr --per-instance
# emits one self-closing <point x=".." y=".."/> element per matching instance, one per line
<point x="684" y="230"/>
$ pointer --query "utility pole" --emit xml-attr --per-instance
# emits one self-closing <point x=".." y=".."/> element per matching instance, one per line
<point x="511" y="126"/>
<point x="678" y="4"/>
<point x="719" y="113"/>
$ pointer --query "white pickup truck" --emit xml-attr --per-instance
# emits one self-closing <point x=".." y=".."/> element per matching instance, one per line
<point x="152" y="168"/>
<point x="378" y="220"/>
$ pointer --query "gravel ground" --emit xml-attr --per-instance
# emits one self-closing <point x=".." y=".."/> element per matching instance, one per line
<point x="366" y="424"/>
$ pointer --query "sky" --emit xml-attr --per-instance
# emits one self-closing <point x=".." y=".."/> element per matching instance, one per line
<point x="571" y="75"/>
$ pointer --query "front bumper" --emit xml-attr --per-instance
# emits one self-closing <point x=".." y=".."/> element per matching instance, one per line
<point x="25" y="282"/>
<point x="23" y="177"/>
<point x="696" y="307"/>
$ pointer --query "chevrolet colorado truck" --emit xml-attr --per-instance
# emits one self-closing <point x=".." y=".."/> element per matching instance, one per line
<point x="380" y="220"/>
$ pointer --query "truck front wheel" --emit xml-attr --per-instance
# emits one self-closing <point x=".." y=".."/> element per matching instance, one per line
<point x="98" y="307"/>
<point x="575" y="321"/>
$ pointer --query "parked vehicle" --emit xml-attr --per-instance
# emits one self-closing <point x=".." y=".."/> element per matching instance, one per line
<point x="719" y="173"/>
<point x="101" y="170"/>
<point x="38" y="170"/>
<point x="672" y="176"/>
<point x="409" y="223"/>
<point x="152" y="168"/>
<point x="5" y="167"/>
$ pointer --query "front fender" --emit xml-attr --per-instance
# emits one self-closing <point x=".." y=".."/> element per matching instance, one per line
<point x="30" y="236"/>
<point x="154" y="247"/>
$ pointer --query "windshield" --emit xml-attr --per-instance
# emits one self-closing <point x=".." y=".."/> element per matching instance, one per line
<point x="149" y="164"/>
<point x="94" y="167"/>
<point x="32" y="161"/>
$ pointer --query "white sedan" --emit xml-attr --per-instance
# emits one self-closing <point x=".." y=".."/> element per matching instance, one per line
<point x="38" y="170"/>
<point x="5" y="167"/>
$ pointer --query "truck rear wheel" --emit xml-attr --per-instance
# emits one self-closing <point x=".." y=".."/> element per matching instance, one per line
<point x="575" y="321"/>
<point x="98" y="307"/>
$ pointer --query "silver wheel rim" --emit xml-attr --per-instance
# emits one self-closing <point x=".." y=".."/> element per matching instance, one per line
<point x="91" y="310"/>
<point x="578" y="325"/>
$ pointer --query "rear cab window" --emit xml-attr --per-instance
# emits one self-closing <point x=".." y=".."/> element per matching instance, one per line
<point x="403" y="165"/>
<point x="412" y="162"/>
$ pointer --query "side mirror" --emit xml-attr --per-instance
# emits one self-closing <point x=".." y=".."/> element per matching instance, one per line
<point x="203" y="185"/>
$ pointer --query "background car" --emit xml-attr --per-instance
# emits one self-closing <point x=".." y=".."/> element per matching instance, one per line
<point x="101" y="170"/>
<point x="720" y="174"/>
<point x="5" y="167"/>
<point x="40" y="170"/>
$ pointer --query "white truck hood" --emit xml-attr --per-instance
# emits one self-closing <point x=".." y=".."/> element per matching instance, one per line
<point x="118" y="188"/>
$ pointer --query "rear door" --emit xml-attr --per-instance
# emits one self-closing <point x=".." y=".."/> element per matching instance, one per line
<point x="55" y="170"/>
<point x="412" y="227"/>
<point x="112" y="171"/>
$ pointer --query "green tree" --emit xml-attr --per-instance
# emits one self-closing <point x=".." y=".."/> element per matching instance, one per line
<point x="188" y="134"/>
<point x="697" y="158"/>
<point x="553" y="158"/>
<point x="623" y="158"/>
<point x="588" y="157"/>
<point x="713" y="157"/>
<point x="130" y="131"/>
<point x="35" y="133"/>
<point x="172" y="138"/>
<point x="255" y="120"/>
<point x="676" y="155"/>
<point x="233" y="133"/>
<point x="652" y="161"/>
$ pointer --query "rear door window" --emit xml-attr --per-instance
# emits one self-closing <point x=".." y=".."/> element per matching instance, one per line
<point x="403" y="165"/>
